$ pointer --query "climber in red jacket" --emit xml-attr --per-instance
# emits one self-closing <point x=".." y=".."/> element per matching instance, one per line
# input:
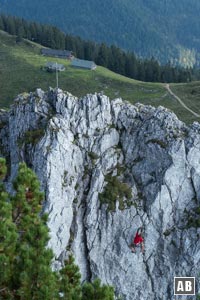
<point x="138" y="241"/>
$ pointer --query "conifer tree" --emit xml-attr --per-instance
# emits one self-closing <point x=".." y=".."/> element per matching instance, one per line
<point x="70" y="285"/>
<point x="20" y="34"/>
<point x="1" y="23"/>
<point x="10" y="26"/>
<point x="25" y="262"/>
<point x="8" y="237"/>
<point x="33" y="32"/>
<point x="96" y="291"/>
<point x="33" y="278"/>
<point x="102" y="58"/>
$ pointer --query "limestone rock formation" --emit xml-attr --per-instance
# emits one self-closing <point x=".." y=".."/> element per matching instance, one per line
<point x="107" y="168"/>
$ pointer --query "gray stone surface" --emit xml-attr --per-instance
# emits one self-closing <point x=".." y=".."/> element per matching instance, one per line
<point x="82" y="141"/>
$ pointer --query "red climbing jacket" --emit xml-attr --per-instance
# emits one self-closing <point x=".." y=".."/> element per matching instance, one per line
<point x="138" y="239"/>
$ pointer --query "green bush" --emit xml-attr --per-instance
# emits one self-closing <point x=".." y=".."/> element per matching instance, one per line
<point x="31" y="136"/>
<point x="192" y="218"/>
<point x="115" y="190"/>
<point x="2" y="124"/>
<point x="3" y="168"/>
<point x="97" y="291"/>
<point x="162" y="144"/>
<point x="193" y="222"/>
<point x="93" y="155"/>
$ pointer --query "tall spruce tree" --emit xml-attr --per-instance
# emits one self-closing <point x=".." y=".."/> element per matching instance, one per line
<point x="20" y="34"/>
<point x="1" y="23"/>
<point x="102" y="58"/>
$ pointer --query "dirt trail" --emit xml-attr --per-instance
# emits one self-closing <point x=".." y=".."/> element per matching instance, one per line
<point x="180" y="101"/>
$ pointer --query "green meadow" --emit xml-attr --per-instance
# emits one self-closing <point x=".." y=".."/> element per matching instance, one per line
<point x="22" y="70"/>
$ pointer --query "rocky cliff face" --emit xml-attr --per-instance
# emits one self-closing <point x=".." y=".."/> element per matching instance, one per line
<point x="141" y="160"/>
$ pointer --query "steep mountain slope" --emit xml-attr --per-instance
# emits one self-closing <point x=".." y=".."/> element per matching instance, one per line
<point x="77" y="146"/>
<point x="163" y="29"/>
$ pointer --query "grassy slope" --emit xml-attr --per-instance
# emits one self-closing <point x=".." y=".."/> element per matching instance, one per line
<point x="21" y="71"/>
<point x="190" y="95"/>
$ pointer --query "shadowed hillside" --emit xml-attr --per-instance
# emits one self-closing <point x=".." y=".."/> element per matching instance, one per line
<point x="169" y="28"/>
